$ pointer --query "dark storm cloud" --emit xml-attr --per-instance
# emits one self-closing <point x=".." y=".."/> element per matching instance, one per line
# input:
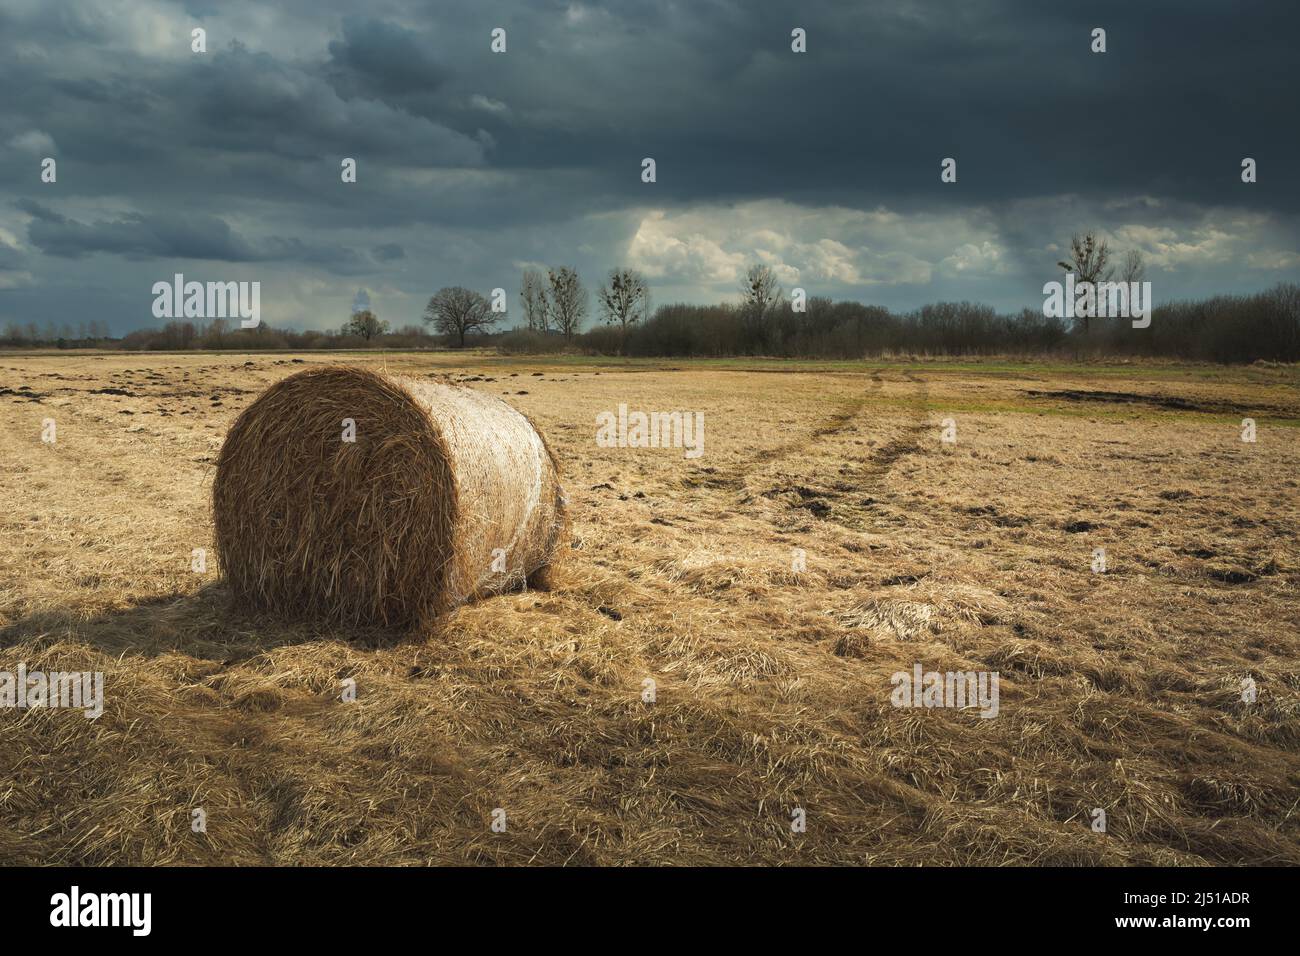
<point x="1011" y="89"/>
<point x="134" y="236"/>
<point x="479" y="160"/>
<point x="146" y="237"/>
<point x="378" y="59"/>
<point x="252" y="102"/>
<point x="713" y="92"/>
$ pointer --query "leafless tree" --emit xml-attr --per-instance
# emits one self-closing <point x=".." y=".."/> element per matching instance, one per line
<point x="217" y="331"/>
<point x="568" y="301"/>
<point x="624" y="299"/>
<point x="1090" y="262"/>
<point x="536" y="307"/>
<point x="1134" y="268"/>
<point x="182" y="334"/>
<point x="762" y="298"/>
<point x="457" y="311"/>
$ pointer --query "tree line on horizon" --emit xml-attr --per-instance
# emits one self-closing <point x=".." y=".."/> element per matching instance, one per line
<point x="555" y="304"/>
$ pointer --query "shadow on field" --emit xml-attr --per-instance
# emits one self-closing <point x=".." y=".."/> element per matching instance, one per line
<point x="202" y="624"/>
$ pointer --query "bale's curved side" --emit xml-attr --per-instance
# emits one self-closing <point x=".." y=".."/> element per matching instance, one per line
<point x="394" y="528"/>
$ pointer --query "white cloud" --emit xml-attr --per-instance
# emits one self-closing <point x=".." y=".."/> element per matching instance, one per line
<point x="1168" y="248"/>
<point x="1274" y="260"/>
<point x="662" y="250"/>
<point x="838" y="247"/>
<point x="971" y="258"/>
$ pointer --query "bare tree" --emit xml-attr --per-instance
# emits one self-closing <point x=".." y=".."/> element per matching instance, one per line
<point x="217" y="331"/>
<point x="1090" y="262"/>
<point x="624" y="299"/>
<point x="533" y="294"/>
<point x="762" y="297"/>
<point x="568" y="300"/>
<point x="365" y="324"/>
<point x="180" y="334"/>
<point x="457" y="311"/>
<point x="1134" y="268"/>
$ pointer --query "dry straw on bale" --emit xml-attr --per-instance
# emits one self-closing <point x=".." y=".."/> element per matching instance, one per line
<point x="395" y="528"/>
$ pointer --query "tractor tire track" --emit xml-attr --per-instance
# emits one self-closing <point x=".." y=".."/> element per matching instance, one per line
<point x="734" y="480"/>
<point x="846" y="502"/>
<point x="878" y="465"/>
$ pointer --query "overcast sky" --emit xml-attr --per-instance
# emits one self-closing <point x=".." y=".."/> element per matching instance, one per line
<point x="473" y="165"/>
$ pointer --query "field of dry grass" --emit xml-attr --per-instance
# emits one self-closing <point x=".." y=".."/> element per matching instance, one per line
<point x="1119" y="690"/>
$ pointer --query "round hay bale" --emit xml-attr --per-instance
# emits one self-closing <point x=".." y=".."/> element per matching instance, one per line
<point x="445" y="495"/>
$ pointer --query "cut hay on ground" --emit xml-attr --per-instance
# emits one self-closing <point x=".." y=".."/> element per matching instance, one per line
<point x="405" y="523"/>
<point x="1119" y="691"/>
